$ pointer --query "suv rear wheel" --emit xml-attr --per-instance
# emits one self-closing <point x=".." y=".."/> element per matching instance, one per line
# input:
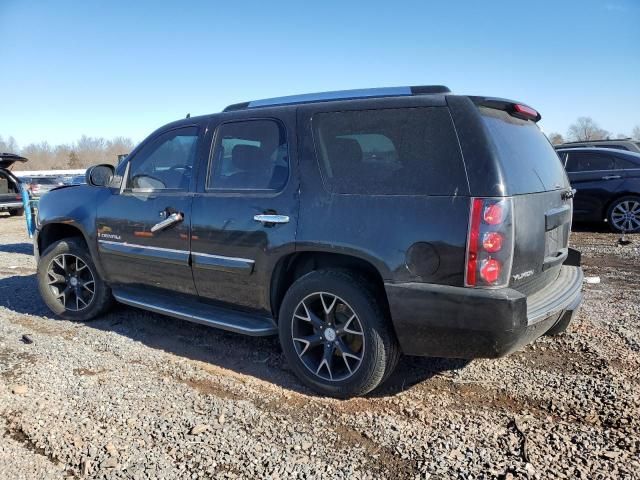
<point x="624" y="215"/>
<point x="69" y="282"/>
<point x="16" y="212"/>
<point x="335" y="335"/>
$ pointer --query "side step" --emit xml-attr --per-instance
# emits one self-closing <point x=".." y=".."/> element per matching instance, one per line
<point x="198" y="312"/>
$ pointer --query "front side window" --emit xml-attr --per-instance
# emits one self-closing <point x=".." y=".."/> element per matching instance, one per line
<point x="165" y="163"/>
<point x="396" y="151"/>
<point x="249" y="155"/>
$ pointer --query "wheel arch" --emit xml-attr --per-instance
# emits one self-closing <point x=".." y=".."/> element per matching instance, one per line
<point x="53" y="232"/>
<point x="297" y="264"/>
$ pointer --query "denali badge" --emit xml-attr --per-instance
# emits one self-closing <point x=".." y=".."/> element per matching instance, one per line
<point x="112" y="236"/>
<point x="520" y="276"/>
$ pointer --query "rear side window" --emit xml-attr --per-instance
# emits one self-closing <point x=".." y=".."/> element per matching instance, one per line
<point x="249" y="155"/>
<point x="528" y="160"/>
<point x="402" y="151"/>
<point x="588" y="161"/>
<point x="625" y="164"/>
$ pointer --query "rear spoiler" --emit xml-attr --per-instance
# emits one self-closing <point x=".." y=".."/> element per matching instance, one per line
<point x="516" y="109"/>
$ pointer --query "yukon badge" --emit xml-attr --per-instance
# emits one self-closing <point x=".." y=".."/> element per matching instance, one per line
<point x="520" y="276"/>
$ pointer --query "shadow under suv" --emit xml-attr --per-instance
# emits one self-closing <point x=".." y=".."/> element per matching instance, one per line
<point x="356" y="225"/>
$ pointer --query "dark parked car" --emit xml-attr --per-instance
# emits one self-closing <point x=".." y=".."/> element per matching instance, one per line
<point x="10" y="193"/>
<point x="618" y="144"/>
<point x="74" y="180"/>
<point x="39" y="185"/>
<point x="607" y="184"/>
<point x="357" y="225"/>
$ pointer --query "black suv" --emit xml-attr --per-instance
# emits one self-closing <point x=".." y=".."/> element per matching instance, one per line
<point x="607" y="184"/>
<point x="357" y="225"/>
<point x="10" y="189"/>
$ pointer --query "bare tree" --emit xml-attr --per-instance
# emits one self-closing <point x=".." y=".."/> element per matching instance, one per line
<point x="85" y="152"/>
<point x="555" y="138"/>
<point x="117" y="146"/>
<point x="636" y="132"/>
<point x="586" y="129"/>
<point x="9" y="145"/>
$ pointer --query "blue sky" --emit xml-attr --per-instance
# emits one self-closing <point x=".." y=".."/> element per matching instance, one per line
<point x="108" y="68"/>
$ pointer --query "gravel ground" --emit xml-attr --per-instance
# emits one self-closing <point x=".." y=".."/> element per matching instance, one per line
<point x="138" y="395"/>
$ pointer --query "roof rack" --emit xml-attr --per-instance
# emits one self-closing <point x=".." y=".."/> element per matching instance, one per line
<point x="341" y="95"/>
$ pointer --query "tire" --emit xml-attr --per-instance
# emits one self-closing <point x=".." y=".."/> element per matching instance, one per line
<point x="560" y="327"/>
<point x="363" y="351"/>
<point x="629" y="205"/>
<point x="16" y="212"/>
<point x="80" y="303"/>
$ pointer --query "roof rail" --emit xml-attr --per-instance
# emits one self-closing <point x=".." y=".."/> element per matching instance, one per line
<point x="341" y="95"/>
<point x="600" y="140"/>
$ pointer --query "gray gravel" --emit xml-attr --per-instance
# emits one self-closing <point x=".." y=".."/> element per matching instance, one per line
<point x="138" y="395"/>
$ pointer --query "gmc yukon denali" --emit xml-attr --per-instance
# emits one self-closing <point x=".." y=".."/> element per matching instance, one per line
<point x="356" y="225"/>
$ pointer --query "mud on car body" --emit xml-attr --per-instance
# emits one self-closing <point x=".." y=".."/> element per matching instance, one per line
<point x="355" y="225"/>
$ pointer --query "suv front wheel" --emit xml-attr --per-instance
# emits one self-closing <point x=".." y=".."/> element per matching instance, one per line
<point x="69" y="282"/>
<point x="334" y="334"/>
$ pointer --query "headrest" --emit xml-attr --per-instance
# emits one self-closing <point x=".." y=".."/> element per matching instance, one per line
<point x="246" y="156"/>
<point x="345" y="150"/>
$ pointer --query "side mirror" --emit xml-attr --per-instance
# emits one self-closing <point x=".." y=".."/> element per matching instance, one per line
<point x="100" y="175"/>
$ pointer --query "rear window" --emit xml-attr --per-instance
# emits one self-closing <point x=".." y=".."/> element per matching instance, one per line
<point x="529" y="162"/>
<point x="398" y="151"/>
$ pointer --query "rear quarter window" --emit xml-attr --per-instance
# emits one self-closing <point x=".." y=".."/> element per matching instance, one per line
<point x="529" y="162"/>
<point x="397" y="151"/>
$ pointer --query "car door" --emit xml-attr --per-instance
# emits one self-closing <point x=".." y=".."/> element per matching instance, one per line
<point x="245" y="211"/>
<point x="595" y="178"/>
<point x="143" y="227"/>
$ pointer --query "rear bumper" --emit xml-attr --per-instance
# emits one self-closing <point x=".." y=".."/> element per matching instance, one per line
<point x="457" y="322"/>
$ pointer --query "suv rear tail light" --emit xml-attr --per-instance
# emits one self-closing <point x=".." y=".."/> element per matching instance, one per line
<point x="489" y="243"/>
<point x="492" y="241"/>
<point x="525" y="112"/>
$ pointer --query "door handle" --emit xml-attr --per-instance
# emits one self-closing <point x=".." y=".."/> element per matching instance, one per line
<point x="264" y="218"/>
<point x="167" y="222"/>
<point x="611" y="177"/>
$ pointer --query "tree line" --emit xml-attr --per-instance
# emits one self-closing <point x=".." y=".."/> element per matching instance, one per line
<point x="585" y="128"/>
<point x="83" y="153"/>
<point x="89" y="151"/>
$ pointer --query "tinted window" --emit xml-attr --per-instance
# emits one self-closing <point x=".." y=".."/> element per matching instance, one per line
<point x="404" y="151"/>
<point x="166" y="162"/>
<point x="249" y="155"/>
<point x="528" y="160"/>
<point x="589" y="161"/>
<point x="623" y="163"/>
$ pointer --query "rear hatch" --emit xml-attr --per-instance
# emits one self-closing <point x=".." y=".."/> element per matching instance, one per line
<point x="542" y="207"/>
<point x="9" y="189"/>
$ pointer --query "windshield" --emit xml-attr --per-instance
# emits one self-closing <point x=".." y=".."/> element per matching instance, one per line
<point x="529" y="162"/>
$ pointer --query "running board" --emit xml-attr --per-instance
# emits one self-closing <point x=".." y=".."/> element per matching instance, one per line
<point x="198" y="312"/>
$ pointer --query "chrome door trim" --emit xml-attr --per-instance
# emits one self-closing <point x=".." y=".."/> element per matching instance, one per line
<point x="209" y="261"/>
<point x="144" y="252"/>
